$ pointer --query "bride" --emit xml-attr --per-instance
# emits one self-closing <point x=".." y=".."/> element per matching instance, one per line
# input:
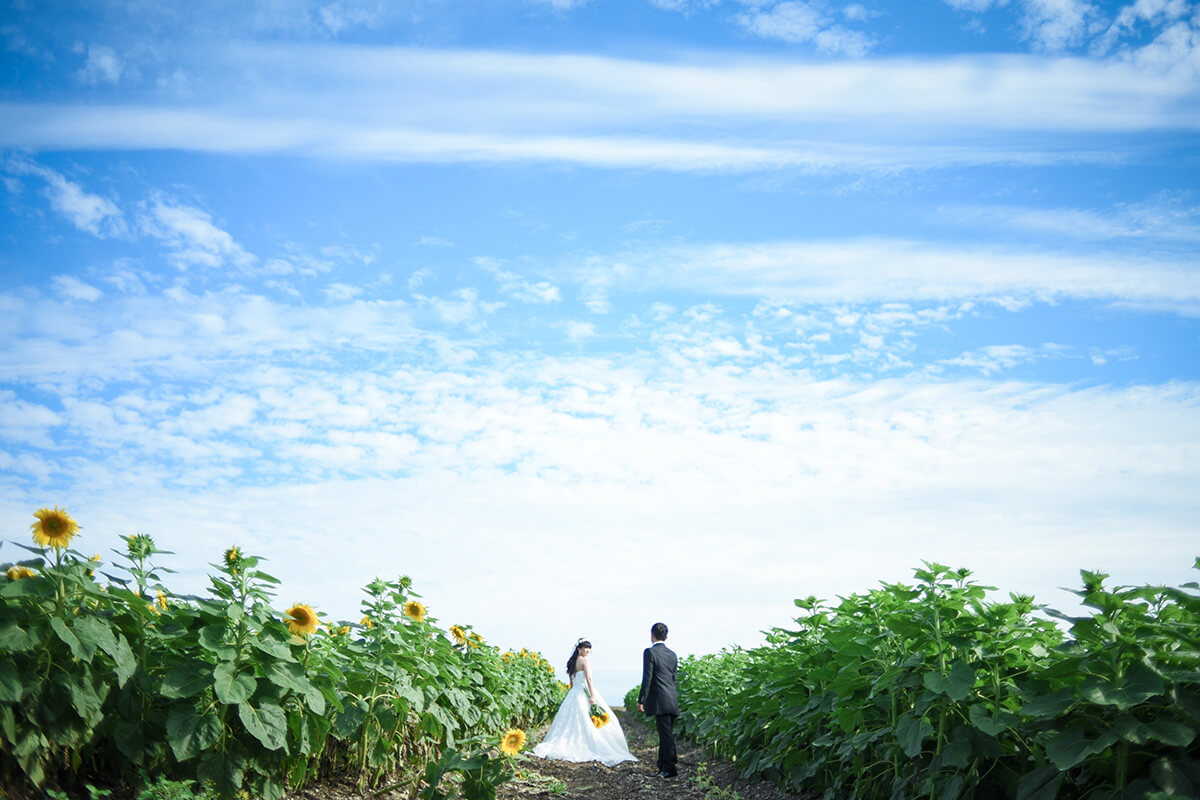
<point x="573" y="736"/>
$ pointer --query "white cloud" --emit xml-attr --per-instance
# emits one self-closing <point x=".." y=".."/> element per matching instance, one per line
<point x="994" y="358"/>
<point x="518" y="287"/>
<point x="75" y="289"/>
<point x="806" y="22"/>
<point x="1057" y="25"/>
<point x="883" y="270"/>
<point x="464" y="308"/>
<point x="870" y="114"/>
<point x="102" y="66"/>
<point x="92" y="213"/>
<point x="191" y="236"/>
<point x="341" y="292"/>
<point x="1164" y="219"/>
<point x="580" y="330"/>
<point x="1149" y="12"/>
<point x="976" y="6"/>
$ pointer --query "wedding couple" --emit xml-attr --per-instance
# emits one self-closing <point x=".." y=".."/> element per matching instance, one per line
<point x="574" y="736"/>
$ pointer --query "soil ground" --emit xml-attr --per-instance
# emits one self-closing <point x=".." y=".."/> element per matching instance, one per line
<point x="699" y="778"/>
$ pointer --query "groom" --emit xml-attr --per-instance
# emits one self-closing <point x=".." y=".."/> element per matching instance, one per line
<point x="657" y="696"/>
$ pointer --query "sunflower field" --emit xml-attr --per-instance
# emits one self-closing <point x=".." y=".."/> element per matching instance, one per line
<point x="932" y="690"/>
<point x="118" y="681"/>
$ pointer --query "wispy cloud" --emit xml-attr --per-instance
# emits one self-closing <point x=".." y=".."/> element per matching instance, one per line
<point x="191" y="236"/>
<point x="805" y="22"/>
<point x="88" y="212"/>
<point x="882" y="270"/>
<point x="870" y="114"/>
<point x="102" y="66"/>
<point x="1163" y="220"/>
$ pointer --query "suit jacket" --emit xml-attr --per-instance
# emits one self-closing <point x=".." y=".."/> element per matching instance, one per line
<point x="659" y="665"/>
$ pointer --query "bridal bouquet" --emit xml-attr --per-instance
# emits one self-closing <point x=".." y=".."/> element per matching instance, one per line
<point x="599" y="715"/>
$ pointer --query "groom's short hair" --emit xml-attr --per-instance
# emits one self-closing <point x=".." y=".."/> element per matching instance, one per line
<point x="659" y="631"/>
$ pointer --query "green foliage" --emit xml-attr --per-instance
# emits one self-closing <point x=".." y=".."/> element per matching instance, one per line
<point x="114" y="682"/>
<point x="933" y="690"/>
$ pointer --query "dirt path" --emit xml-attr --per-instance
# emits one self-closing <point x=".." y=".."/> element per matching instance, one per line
<point x="700" y="778"/>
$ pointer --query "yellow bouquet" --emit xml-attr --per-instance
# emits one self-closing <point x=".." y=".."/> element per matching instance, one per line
<point x="599" y="715"/>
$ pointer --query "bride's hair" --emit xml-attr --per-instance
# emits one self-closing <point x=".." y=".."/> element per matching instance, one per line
<point x="582" y="643"/>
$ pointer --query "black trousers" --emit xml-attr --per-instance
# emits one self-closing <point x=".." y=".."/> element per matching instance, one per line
<point x="666" y="742"/>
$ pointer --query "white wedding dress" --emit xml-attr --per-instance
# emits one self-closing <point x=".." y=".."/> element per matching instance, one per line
<point x="573" y="737"/>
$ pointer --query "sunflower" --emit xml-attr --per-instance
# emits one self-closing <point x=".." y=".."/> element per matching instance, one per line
<point x="415" y="610"/>
<point x="233" y="559"/>
<point x="162" y="600"/>
<point x="512" y="742"/>
<point x="600" y="720"/>
<point x="301" y="619"/>
<point x="367" y="623"/>
<point x="460" y="636"/>
<point x="342" y="631"/>
<point x="16" y="573"/>
<point x="54" y="528"/>
<point x="475" y="641"/>
<point x="139" y="545"/>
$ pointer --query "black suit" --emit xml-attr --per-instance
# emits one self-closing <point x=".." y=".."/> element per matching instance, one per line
<point x="657" y="697"/>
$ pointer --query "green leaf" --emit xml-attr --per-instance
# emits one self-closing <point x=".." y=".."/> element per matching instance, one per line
<point x="123" y="658"/>
<point x="78" y="649"/>
<point x="1139" y="685"/>
<point x="10" y="683"/>
<point x="272" y="647"/>
<point x="1070" y="747"/>
<point x="911" y="733"/>
<point x="232" y="688"/>
<point x="224" y="770"/>
<point x="189" y="733"/>
<point x="13" y="638"/>
<point x="186" y="679"/>
<point x="212" y="639"/>
<point x="951" y="788"/>
<point x="1041" y="784"/>
<point x="84" y="698"/>
<point x="315" y="700"/>
<point x="983" y="721"/>
<point x="266" y="723"/>
<point x="1164" y="730"/>
<point x="957" y="752"/>
<point x="1050" y="705"/>
<point x="956" y="685"/>
<point x="347" y="721"/>
<point x="288" y="675"/>
<point x="94" y="634"/>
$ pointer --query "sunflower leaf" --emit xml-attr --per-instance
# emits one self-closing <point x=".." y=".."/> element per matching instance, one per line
<point x="267" y="723"/>
<point x="231" y="687"/>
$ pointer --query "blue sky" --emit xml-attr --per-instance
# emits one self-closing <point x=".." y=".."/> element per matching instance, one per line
<point x="629" y="310"/>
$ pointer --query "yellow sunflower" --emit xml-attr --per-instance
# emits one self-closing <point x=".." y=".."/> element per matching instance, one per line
<point x="600" y="720"/>
<point x="512" y="742"/>
<point x="415" y="610"/>
<point x="367" y="623"/>
<point x="301" y="619"/>
<point x="16" y="573"/>
<point x="233" y="559"/>
<point x="460" y="636"/>
<point x="475" y="641"/>
<point x="162" y="600"/>
<point x="54" y="528"/>
<point x="343" y="630"/>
